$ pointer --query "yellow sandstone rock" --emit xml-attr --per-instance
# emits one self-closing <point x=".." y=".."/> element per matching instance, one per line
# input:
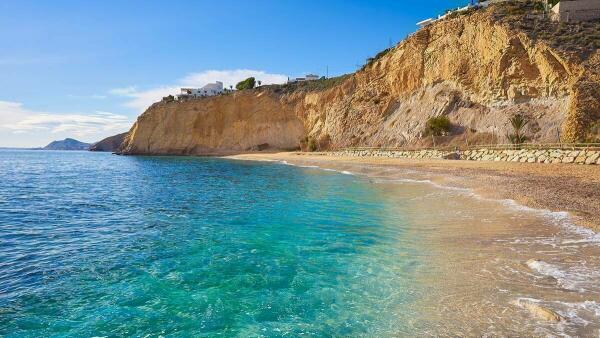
<point x="474" y="69"/>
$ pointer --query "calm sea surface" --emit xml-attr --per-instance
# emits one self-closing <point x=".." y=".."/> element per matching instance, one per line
<point x="93" y="244"/>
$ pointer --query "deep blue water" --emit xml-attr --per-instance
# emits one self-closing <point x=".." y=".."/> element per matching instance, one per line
<point x="94" y="244"/>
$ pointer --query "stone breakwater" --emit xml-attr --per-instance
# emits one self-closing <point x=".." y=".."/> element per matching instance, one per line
<point x="507" y="155"/>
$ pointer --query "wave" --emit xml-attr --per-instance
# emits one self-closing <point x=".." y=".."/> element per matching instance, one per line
<point x="575" y="278"/>
<point x="559" y="218"/>
<point x="345" y="172"/>
<point x="574" y="313"/>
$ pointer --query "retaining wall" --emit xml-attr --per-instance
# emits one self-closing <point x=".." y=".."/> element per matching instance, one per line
<point x="498" y="155"/>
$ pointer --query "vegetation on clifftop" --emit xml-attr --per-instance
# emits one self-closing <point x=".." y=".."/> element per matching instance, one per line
<point x="530" y="18"/>
<point x="248" y="83"/>
<point x="372" y="60"/>
<point x="307" y="86"/>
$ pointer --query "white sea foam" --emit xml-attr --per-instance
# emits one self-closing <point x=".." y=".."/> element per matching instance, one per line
<point x="345" y="172"/>
<point x="575" y="278"/>
<point x="560" y="218"/>
<point x="575" y="313"/>
<point x="546" y="269"/>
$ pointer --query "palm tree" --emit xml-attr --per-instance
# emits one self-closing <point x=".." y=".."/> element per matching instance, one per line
<point x="518" y="122"/>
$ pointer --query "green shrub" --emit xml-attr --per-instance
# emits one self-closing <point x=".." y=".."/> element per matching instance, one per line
<point x="249" y="83"/>
<point x="312" y="144"/>
<point x="438" y="126"/>
<point x="308" y="86"/>
<point x="378" y="56"/>
<point x="309" y="143"/>
<point x="518" y="123"/>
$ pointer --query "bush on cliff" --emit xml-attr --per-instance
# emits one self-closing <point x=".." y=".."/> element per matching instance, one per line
<point x="372" y="60"/>
<point x="518" y="122"/>
<point x="438" y="126"/>
<point x="249" y="83"/>
<point x="309" y="144"/>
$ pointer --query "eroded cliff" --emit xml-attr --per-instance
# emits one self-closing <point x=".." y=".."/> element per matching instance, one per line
<point x="478" y="69"/>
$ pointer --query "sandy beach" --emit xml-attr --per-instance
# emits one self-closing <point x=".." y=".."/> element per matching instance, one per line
<point x="557" y="187"/>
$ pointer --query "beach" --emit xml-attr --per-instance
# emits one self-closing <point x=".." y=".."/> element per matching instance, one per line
<point x="555" y="187"/>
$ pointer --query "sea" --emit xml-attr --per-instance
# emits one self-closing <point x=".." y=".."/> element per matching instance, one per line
<point x="100" y="245"/>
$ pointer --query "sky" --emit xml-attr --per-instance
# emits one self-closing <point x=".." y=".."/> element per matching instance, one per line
<point x="87" y="69"/>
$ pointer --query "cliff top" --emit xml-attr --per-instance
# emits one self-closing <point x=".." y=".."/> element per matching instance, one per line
<point x="579" y="39"/>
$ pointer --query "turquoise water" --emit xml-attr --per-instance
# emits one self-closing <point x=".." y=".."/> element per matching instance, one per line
<point x="94" y="244"/>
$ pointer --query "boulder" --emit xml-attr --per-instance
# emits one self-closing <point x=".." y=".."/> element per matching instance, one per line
<point x="568" y="159"/>
<point x="591" y="159"/>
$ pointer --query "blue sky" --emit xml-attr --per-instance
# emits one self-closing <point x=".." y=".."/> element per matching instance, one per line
<point x="87" y="69"/>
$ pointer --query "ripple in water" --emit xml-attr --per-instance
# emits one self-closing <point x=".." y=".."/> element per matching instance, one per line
<point x="99" y="245"/>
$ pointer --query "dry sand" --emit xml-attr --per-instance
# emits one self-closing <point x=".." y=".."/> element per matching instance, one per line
<point x="556" y="187"/>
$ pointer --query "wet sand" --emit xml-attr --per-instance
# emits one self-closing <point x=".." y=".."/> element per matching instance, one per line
<point x="556" y="187"/>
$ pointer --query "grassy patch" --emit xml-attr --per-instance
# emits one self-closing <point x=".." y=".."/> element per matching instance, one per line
<point x="307" y="86"/>
<point x="371" y="61"/>
<point x="580" y="37"/>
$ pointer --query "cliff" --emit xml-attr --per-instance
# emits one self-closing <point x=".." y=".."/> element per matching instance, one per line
<point x="111" y="143"/>
<point x="477" y="69"/>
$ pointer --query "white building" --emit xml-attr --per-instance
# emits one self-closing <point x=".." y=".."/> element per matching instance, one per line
<point x="429" y="21"/>
<point x="307" y="77"/>
<point x="210" y="89"/>
<point x="576" y="10"/>
<point x="425" y="22"/>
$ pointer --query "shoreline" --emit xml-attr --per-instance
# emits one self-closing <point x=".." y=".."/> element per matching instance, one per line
<point x="574" y="189"/>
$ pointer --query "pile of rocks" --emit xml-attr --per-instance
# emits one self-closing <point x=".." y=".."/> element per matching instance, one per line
<point x="429" y="153"/>
<point x="534" y="156"/>
<point x="498" y="155"/>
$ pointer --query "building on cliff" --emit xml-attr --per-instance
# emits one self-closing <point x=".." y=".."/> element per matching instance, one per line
<point x="307" y="77"/>
<point x="210" y="89"/>
<point x="576" y="10"/>
<point x="429" y="21"/>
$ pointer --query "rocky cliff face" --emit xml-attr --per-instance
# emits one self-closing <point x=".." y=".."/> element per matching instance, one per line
<point x="477" y="69"/>
<point x="241" y="121"/>
<point x="111" y="143"/>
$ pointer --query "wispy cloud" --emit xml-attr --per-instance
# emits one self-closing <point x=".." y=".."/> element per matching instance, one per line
<point x="14" y="117"/>
<point x="88" y="97"/>
<point x="140" y="99"/>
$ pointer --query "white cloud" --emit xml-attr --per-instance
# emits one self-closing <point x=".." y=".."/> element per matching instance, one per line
<point x="41" y="127"/>
<point x="141" y="99"/>
<point x="123" y="91"/>
<point x="87" y="97"/>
